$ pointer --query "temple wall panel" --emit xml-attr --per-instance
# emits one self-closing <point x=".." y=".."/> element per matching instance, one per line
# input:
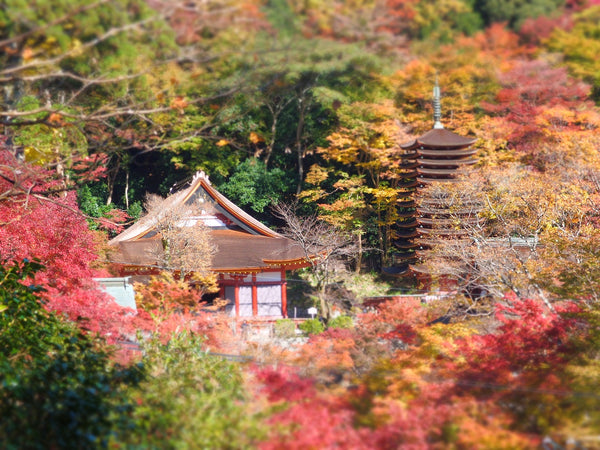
<point x="269" y="300"/>
<point x="268" y="276"/>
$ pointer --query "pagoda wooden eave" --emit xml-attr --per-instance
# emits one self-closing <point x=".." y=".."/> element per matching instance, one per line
<point x="446" y="162"/>
<point x="428" y="171"/>
<point x="405" y="245"/>
<point x="427" y="180"/>
<point x="445" y="222"/>
<point x="439" y="138"/>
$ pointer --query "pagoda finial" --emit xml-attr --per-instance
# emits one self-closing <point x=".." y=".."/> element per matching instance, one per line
<point x="437" y="106"/>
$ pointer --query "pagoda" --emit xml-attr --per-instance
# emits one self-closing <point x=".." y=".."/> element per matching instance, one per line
<point x="435" y="157"/>
<point x="250" y="260"/>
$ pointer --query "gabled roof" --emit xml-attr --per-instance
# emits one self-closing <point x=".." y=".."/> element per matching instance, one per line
<point x="242" y="242"/>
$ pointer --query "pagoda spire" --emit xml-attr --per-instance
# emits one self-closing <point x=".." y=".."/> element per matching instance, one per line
<point x="437" y="106"/>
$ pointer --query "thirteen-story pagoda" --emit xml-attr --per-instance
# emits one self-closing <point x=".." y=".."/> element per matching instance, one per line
<point x="435" y="157"/>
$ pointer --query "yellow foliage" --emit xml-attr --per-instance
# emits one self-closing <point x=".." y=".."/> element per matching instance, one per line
<point x="316" y="175"/>
<point x="255" y="138"/>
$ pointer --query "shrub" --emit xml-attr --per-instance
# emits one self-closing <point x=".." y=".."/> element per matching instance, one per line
<point x="284" y="328"/>
<point x="192" y="400"/>
<point x="340" y="322"/>
<point x="59" y="389"/>
<point x="312" y="326"/>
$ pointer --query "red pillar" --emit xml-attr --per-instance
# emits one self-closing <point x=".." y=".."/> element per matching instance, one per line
<point x="236" y="296"/>
<point x="254" y="296"/>
<point x="283" y="294"/>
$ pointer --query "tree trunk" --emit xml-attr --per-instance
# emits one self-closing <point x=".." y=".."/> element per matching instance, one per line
<point x="269" y="149"/>
<point x="127" y="188"/>
<point x="110" y="181"/>
<point x="302" y="104"/>
<point x="359" y="255"/>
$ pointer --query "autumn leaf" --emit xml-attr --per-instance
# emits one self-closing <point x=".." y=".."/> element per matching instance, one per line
<point x="27" y="54"/>
<point x="55" y="119"/>
<point x="179" y="103"/>
<point x="255" y="138"/>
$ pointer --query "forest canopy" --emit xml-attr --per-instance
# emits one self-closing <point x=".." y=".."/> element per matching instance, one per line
<point x="300" y="113"/>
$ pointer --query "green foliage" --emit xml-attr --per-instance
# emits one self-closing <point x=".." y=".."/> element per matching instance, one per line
<point x="345" y="322"/>
<point x="284" y="328"/>
<point x="443" y="20"/>
<point x="253" y="186"/>
<point x="92" y="204"/>
<point x="580" y="46"/>
<point x="312" y="326"/>
<point x="191" y="400"/>
<point x="135" y="210"/>
<point x="44" y="144"/>
<point x="58" y="388"/>
<point x="514" y="12"/>
<point x="282" y="17"/>
<point x="21" y="310"/>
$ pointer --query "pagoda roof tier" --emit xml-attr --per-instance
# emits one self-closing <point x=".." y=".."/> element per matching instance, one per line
<point x="408" y="183"/>
<point x="441" y="232"/>
<point x="421" y="254"/>
<point x="440" y="172"/>
<point x="444" y="211"/>
<point x="446" y="162"/>
<point x="447" y="153"/>
<point x="408" y="156"/>
<point x="439" y="138"/>
<point x="403" y="253"/>
<point x="407" y="233"/>
<point x="444" y="222"/>
<point x="406" y="261"/>
<point x="410" y="173"/>
<point x="401" y="244"/>
<point x="426" y="180"/>
<point x="409" y="165"/>
<point x="425" y="243"/>
<point x="424" y="202"/>
<point x="404" y="214"/>
<point x="405" y="203"/>
<point x="407" y="223"/>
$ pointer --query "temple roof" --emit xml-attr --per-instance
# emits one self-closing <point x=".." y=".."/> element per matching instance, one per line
<point x="439" y="138"/>
<point x="242" y="242"/>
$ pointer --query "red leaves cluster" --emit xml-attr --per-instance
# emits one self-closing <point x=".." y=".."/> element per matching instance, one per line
<point x="530" y="88"/>
<point x="51" y="229"/>
<point x="331" y="349"/>
<point x="535" y="30"/>
<point x="311" y="420"/>
<point x="284" y="384"/>
<point x="523" y="364"/>
<point x="505" y="387"/>
<point x="531" y="343"/>
<point x="396" y="319"/>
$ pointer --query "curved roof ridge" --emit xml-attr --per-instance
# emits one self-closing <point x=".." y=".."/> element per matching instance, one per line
<point x="199" y="181"/>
